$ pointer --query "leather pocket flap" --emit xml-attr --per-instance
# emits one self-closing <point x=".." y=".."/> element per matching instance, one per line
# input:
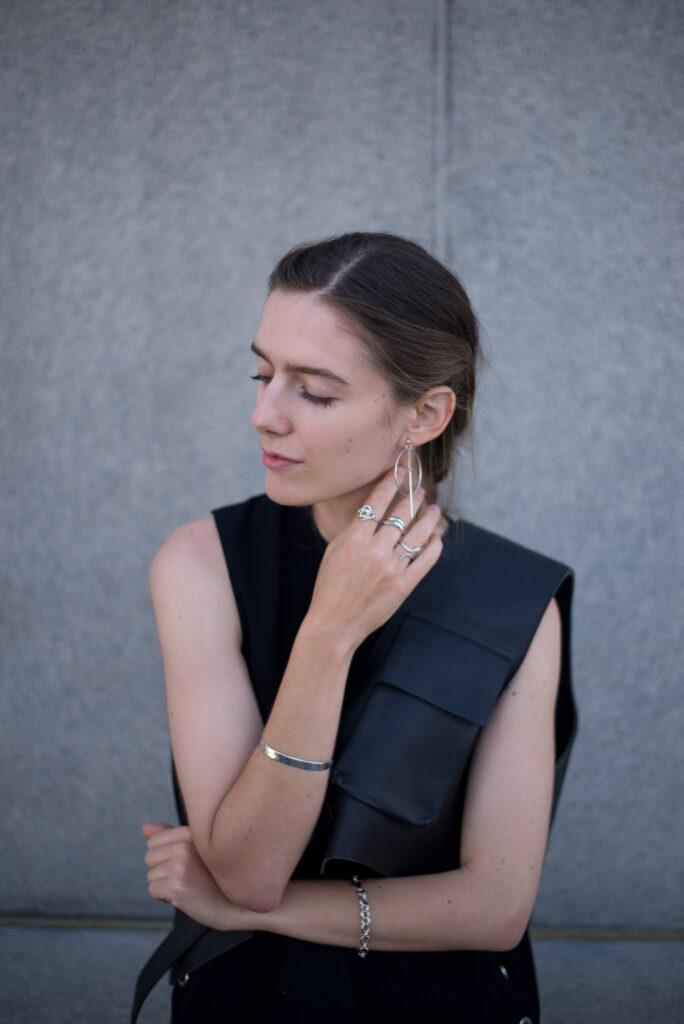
<point x="446" y="668"/>
<point x="414" y="739"/>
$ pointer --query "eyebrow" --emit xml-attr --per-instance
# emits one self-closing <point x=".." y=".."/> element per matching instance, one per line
<point x="309" y="371"/>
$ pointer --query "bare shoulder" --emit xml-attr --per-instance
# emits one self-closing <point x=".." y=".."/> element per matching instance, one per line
<point x="546" y="644"/>
<point x="192" y="551"/>
<point x="189" y="579"/>
<point x="540" y="670"/>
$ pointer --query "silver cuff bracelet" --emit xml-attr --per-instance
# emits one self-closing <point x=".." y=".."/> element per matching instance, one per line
<point x="294" y="762"/>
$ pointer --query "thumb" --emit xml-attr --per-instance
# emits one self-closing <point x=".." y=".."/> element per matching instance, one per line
<point x="150" y="828"/>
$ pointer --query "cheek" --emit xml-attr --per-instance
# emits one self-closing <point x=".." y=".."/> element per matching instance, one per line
<point x="365" y="433"/>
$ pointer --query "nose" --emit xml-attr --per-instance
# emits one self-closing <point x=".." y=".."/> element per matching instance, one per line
<point x="269" y="416"/>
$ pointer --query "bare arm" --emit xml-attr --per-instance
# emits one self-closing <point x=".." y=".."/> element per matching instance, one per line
<point x="251" y="817"/>
<point x="487" y="902"/>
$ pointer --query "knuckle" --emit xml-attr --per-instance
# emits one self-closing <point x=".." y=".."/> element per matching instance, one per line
<point x="359" y="536"/>
<point x="376" y="559"/>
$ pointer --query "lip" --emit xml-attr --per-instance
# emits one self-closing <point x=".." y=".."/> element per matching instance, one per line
<point x="274" y="461"/>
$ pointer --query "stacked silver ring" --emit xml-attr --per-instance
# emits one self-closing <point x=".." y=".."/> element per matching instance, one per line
<point x="395" y="521"/>
<point x="411" y="551"/>
<point x="366" y="513"/>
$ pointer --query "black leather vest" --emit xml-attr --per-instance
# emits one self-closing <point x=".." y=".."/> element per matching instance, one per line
<point x="400" y="774"/>
<point x="405" y="742"/>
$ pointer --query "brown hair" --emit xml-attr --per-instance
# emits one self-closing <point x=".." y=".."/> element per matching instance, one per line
<point x="411" y="314"/>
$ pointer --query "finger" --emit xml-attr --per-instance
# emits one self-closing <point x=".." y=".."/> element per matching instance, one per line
<point x="181" y="850"/>
<point x="157" y="872"/>
<point x="422" y="528"/>
<point x="421" y="564"/>
<point x="160" y="891"/>
<point x="398" y="524"/>
<point x="380" y="498"/>
<point x="169" y="835"/>
<point x="401" y="509"/>
<point x="159" y="855"/>
<point x="150" y="828"/>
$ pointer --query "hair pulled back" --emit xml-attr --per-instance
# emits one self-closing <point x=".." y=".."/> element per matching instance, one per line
<point x="411" y="314"/>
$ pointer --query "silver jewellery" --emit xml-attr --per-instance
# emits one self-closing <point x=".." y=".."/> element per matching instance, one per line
<point x="411" y="551"/>
<point x="364" y="907"/>
<point x="366" y="512"/>
<point x="413" y="469"/>
<point x="293" y="762"/>
<point x="395" y="521"/>
<point x="411" y="558"/>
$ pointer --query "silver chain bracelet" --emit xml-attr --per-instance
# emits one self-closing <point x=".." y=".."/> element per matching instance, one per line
<point x="364" y="907"/>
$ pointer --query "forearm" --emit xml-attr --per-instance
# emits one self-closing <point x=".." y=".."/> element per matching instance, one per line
<point x="451" y="910"/>
<point x="265" y="820"/>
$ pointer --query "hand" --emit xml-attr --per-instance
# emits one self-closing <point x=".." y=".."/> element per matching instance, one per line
<point x="177" y="875"/>
<point x="363" y="579"/>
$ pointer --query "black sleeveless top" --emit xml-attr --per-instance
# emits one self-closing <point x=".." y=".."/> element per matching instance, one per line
<point x="274" y="979"/>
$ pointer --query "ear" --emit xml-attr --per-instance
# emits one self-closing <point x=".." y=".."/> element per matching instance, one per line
<point x="430" y="414"/>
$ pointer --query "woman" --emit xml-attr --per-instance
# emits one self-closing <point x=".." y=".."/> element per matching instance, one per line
<point x="365" y="699"/>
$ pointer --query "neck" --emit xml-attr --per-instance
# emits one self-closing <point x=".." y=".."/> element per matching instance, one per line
<point x="333" y="515"/>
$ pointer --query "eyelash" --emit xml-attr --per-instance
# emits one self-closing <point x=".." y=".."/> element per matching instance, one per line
<point x="325" y="403"/>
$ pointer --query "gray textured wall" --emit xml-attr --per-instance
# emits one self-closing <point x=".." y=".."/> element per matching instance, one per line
<point x="156" y="158"/>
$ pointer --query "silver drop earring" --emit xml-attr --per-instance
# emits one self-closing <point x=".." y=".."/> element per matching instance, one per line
<point x="413" y="469"/>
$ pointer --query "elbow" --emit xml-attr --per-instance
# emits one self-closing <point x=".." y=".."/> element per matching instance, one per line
<point x="507" y="937"/>
<point x="508" y="929"/>
<point x="501" y="913"/>
<point x="249" y="893"/>
<point x="242" y="883"/>
<point x="500" y="919"/>
<point x="260" y="900"/>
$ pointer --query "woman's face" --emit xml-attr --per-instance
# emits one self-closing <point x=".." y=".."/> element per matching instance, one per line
<point x="328" y="425"/>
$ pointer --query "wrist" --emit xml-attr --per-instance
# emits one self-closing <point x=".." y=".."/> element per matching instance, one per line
<point x="335" y="644"/>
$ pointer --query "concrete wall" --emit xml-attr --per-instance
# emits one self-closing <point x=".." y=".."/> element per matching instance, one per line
<point x="157" y="157"/>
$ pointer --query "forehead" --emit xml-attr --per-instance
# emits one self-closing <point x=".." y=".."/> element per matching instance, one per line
<point x="298" y="327"/>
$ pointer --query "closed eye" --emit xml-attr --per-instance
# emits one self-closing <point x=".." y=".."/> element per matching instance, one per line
<point x="324" y="401"/>
<point x="316" y="399"/>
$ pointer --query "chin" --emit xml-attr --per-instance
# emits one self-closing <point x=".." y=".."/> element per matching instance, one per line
<point x="282" y="494"/>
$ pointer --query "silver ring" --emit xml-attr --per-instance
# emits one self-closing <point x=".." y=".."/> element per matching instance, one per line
<point x="411" y="551"/>
<point x="366" y="512"/>
<point x="395" y="521"/>
<point x="410" y="557"/>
